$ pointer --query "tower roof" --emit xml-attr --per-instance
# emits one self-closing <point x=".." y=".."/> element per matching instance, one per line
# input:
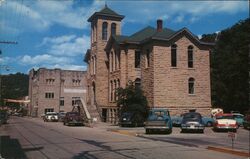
<point x="106" y="12"/>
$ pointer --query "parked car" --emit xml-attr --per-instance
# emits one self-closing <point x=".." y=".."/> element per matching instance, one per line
<point x="158" y="120"/>
<point x="176" y="120"/>
<point x="73" y="118"/>
<point x="3" y="117"/>
<point x="225" y="122"/>
<point x="61" y="116"/>
<point x="208" y="121"/>
<point x="192" y="121"/>
<point x="239" y="118"/>
<point x="50" y="116"/>
<point x="131" y="119"/>
<point x="246" y="122"/>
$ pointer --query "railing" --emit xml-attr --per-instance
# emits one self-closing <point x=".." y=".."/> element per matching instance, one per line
<point x="98" y="109"/>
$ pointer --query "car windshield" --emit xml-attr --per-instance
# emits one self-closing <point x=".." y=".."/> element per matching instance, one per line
<point x="192" y="116"/>
<point x="225" y="117"/>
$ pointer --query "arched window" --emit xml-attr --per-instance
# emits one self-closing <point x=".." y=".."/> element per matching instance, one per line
<point x="137" y="82"/>
<point x="190" y="57"/>
<point x="173" y="55"/>
<point x="115" y="87"/>
<point x="191" y="85"/>
<point x="113" y="29"/>
<point x="111" y="91"/>
<point x="104" y="31"/>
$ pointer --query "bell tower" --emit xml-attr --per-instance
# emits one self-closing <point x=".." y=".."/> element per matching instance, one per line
<point x="104" y="23"/>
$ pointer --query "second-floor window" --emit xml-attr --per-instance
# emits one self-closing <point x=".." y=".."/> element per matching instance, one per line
<point x="147" y="58"/>
<point x="174" y="55"/>
<point x="190" y="57"/>
<point x="61" y="101"/>
<point x="137" y="59"/>
<point x="113" y="29"/>
<point x="104" y="31"/>
<point x="191" y="85"/>
<point x="49" y="95"/>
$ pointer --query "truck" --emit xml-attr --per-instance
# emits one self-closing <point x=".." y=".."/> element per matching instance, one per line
<point x="158" y="120"/>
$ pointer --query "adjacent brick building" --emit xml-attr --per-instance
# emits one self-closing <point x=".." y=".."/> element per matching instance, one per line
<point x="55" y="90"/>
<point x="172" y="67"/>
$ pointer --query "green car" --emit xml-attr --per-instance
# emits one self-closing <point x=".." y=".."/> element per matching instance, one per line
<point x="246" y="122"/>
<point x="239" y="118"/>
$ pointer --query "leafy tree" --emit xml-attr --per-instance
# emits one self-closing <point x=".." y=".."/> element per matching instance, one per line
<point x="131" y="99"/>
<point x="14" y="86"/>
<point x="230" y="68"/>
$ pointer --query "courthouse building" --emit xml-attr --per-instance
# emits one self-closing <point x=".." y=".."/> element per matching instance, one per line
<point x="55" y="90"/>
<point x="172" y="67"/>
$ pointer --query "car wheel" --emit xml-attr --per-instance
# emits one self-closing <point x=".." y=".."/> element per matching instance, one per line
<point x="169" y="131"/>
<point x="209" y="124"/>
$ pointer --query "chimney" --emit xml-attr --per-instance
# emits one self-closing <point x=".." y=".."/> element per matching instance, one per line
<point x="159" y="25"/>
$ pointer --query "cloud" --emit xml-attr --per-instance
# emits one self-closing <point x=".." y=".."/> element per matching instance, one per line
<point x="194" y="10"/>
<point x="67" y="45"/>
<point x="43" y="59"/>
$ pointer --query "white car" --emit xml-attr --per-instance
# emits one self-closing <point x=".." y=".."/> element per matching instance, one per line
<point x="50" y="116"/>
<point x="225" y="122"/>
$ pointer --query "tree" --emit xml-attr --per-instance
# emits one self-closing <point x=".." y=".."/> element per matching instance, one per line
<point x="131" y="99"/>
<point x="230" y="68"/>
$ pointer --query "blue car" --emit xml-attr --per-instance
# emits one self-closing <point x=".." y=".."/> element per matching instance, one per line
<point x="239" y="118"/>
<point x="158" y="120"/>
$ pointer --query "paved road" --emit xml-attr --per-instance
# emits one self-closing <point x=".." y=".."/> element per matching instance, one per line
<point x="209" y="138"/>
<point x="34" y="139"/>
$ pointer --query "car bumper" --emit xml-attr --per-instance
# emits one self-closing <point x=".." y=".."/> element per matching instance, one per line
<point x="74" y="122"/>
<point x="158" y="127"/>
<point x="188" y="127"/>
<point x="225" y="127"/>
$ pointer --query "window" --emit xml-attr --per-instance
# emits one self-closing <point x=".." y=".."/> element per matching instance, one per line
<point x="104" y="31"/>
<point x="147" y="58"/>
<point x="50" y="81"/>
<point x="75" y="101"/>
<point x="111" y="91"/>
<point x="61" y="101"/>
<point x="48" y="110"/>
<point x="190" y="56"/>
<point x="138" y="82"/>
<point x="49" y="95"/>
<point x="191" y="85"/>
<point x="137" y="59"/>
<point x="113" y="29"/>
<point x="173" y="55"/>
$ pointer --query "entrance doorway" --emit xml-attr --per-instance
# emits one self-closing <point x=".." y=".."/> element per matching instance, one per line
<point x="104" y="115"/>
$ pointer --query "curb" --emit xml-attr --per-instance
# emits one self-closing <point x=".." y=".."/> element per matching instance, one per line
<point x="124" y="132"/>
<point x="230" y="151"/>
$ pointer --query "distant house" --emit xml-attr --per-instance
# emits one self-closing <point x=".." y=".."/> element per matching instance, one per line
<point x="171" y="67"/>
<point x="55" y="90"/>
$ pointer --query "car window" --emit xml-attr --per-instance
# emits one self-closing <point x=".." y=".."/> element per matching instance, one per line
<point x="192" y="116"/>
<point x="224" y="117"/>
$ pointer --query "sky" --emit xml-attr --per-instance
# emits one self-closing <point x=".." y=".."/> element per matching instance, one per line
<point x="56" y="34"/>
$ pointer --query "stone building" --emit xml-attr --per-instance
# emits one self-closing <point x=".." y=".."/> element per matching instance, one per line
<point x="55" y="90"/>
<point x="172" y="67"/>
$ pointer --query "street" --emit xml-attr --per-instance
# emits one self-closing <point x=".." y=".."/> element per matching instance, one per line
<point x="34" y="139"/>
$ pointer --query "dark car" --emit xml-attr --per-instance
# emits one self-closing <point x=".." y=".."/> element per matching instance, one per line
<point x="73" y="118"/>
<point x="61" y="116"/>
<point x="192" y="122"/>
<point x="3" y="117"/>
<point x="131" y="119"/>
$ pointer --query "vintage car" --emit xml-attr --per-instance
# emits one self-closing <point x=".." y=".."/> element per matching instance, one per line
<point x="192" y="122"/>
<point x="158" y="120"/>
<point x="208" y="121"/>
<point x="225" y="122"/>
<point x="176" y="120"/>
<point x="246" y="122"/>
<point x="61" y="116"/>
<point x="73" y="118"/>
<point x="50" y="116"/>
<point x="239" y="118"/>
<point x="131" y="119"/>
